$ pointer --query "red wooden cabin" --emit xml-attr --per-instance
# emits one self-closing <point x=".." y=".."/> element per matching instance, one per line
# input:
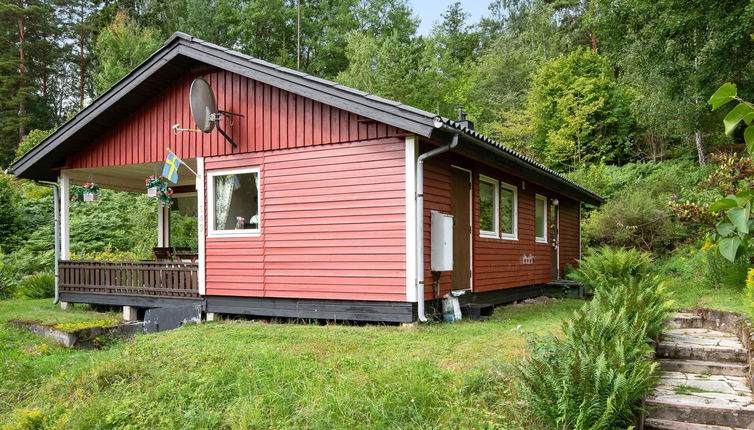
<point x="325" y="180"/>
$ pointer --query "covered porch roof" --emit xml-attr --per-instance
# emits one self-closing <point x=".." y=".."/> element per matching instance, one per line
<point x="130" y="177"/>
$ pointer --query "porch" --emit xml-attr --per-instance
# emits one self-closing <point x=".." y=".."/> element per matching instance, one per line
<point x="172" y="277"/>
<point x="176" y="279"/>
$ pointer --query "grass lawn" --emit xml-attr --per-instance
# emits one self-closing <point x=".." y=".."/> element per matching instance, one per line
<point x="243" y="374"/>
<point x="687" y="295"/>
<point x="697" y="281"/>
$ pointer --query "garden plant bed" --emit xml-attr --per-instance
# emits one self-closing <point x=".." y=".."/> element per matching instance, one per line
<point x="92" y="334"/>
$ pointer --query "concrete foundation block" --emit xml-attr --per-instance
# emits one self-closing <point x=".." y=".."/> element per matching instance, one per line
<point x="211" y="316"/>
<point x="129" y="313"/>
<point x="66" y="305"/>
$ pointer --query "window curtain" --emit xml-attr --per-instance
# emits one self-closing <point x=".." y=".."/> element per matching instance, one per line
<point x="224" y="186"/>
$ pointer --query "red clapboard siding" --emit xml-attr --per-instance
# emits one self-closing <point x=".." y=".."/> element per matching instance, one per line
<point x="273" y="119"/>
<point x="333" y="225"/>
<point x="498" y="263"/>
<point x="570" y="233"/>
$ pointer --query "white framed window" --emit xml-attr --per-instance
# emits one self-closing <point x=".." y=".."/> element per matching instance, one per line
<point x="540" y="218"/>
<point x="489" y="207"/>
<point x="508" y="211"/>
<point x="233" y="203"/>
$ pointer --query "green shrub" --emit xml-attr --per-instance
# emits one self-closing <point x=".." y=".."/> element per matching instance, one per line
<point x="597" y="374"/>
<point x="717" y="271"/>
<point x="111" y="254"/>
<point x="605" y="267"/>
<point x="634" y="219"/>
<point x="37" y="286"/>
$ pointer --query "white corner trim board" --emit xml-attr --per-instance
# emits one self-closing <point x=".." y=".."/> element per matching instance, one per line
<point x="200" y="228"/>
<point x="410" y="219"/>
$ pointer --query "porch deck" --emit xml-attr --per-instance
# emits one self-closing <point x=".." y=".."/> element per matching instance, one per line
<point x="134" y="278"/>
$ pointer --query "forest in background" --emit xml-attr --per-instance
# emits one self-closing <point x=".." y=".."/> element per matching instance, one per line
<point x="611" y="92"/>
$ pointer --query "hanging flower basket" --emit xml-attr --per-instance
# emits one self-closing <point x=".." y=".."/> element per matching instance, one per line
<point x="89" y="192"/>
<point x="159" y="189"/>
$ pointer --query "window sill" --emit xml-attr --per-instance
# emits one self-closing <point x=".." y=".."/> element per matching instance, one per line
<point x="489" y="235"/>
<point x="231" y="234"/>
<point x="509" y="237"/>
<point x="541" y="240"/>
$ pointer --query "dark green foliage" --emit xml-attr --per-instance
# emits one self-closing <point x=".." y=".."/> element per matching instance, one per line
<point x="676" y="54"/>
<point x="37" y="286"/>
<point x="597" y="374"/>
<point x="120" y="47"/>
<point x="637" y="213"/>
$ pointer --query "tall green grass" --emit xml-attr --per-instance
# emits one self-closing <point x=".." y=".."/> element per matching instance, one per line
<point x="242" y="374"/>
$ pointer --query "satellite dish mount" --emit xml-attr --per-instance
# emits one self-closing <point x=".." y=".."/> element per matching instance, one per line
<point x="205" y="112"/>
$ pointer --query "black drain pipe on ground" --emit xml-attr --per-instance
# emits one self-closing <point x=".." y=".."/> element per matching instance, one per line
<point x="56" y="217"/>
<point x="420" y="221"/>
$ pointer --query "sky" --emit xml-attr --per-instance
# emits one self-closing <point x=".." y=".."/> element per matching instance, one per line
<point x="430" y="11"/>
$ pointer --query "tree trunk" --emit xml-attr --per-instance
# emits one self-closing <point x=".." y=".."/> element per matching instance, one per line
<point x="21" y="71"/>
<point x="592" y="36"/>
<point x="699" y="147"/>
<point x="82" y="64"/>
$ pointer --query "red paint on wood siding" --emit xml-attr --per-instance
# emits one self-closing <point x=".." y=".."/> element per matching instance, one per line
<point x="333" y="225"/>
<point x="498" y="263"/>
<point x="273" y="119"/>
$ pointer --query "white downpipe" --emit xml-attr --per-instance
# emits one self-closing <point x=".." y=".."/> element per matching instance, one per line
<point x="420" y="223"/>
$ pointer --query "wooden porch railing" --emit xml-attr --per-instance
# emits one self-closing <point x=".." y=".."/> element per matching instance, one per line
<point x="151" y="278"/>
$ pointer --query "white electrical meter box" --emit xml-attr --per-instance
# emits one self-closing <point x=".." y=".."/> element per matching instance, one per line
<point x="441" y="241"/>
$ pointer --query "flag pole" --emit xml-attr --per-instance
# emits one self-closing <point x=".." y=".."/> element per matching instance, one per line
<point x="183" y="163"/>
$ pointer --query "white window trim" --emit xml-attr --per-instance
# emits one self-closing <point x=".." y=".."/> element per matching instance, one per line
<point x="537" y="198"/>
<point x="211" y="232"/>
<point x="494" y="234"/>
<point x="514" y="235"/>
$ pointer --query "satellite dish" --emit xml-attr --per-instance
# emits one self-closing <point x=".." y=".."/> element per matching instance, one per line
<point x="204" y="110"/>
<point x="203" y="105"/>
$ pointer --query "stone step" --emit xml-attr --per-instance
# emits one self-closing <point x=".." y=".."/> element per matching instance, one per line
<point x="701" y="344"/>
<point x="685" y="320"/>
<point x="705" y="367"/>
<point x="656" y="424"/>
<point x="694" y="398"/>
<point x="702" y="414"/>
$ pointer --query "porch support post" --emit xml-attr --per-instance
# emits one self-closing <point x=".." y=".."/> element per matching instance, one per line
<point x="129" y="313"/>
<point x="65" y="217"/>
<point x="163" y="225"/>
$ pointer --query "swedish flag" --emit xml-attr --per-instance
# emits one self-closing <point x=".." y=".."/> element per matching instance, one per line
<point x="170" y="169"/>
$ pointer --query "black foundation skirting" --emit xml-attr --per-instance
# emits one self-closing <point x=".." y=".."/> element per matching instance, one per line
<point x="128" y="300"/>
<point x="334" y="310"/>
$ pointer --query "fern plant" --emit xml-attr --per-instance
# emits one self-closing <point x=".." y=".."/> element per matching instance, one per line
<point x="606" y="267"/>
<point x="37" y="286"/>
<point x="595" y="376"/>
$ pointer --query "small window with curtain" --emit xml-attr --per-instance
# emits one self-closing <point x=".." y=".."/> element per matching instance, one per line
<point x="233" y="202"/>
<point x="540" y="216"/>
<point x="508" y="211"/>
<point x="488" y="207"/>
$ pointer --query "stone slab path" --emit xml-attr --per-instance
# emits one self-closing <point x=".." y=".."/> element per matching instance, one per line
<point x="703" y="384"/>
